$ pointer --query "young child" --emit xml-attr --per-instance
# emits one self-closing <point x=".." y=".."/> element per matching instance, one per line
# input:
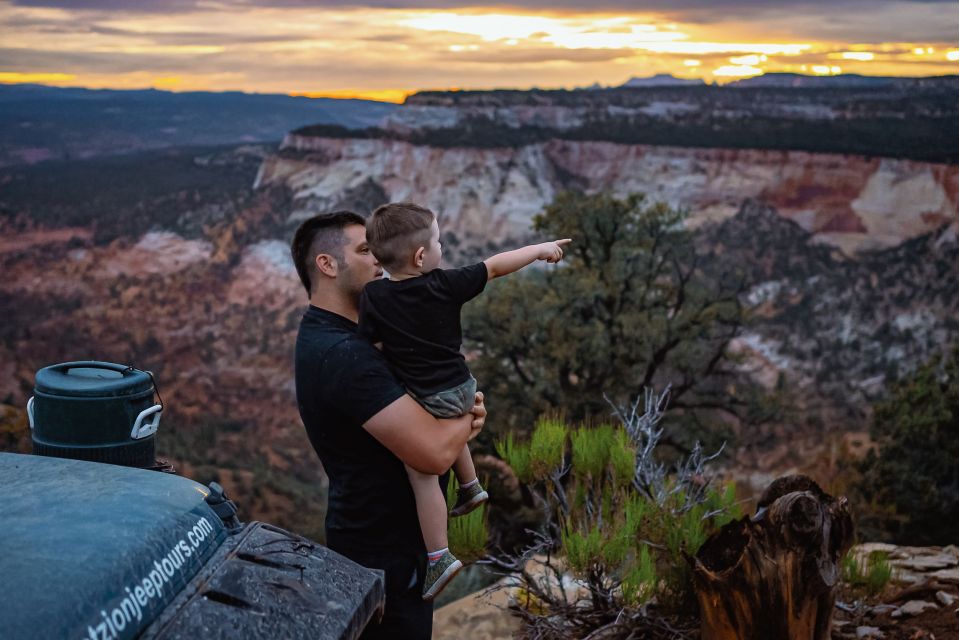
<point x="415" y="314"/>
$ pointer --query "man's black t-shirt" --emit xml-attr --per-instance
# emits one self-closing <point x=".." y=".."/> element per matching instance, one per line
<point x="341" y="382"/>
<point x="418" y="322"/>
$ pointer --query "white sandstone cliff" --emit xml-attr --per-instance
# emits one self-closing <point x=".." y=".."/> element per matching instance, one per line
<point x="848" y="201"/>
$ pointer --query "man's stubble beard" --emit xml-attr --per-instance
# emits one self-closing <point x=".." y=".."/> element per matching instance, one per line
<point x="350" y="287"/>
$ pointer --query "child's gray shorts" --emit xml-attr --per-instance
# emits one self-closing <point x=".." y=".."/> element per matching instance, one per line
<point x="451" y="403"/>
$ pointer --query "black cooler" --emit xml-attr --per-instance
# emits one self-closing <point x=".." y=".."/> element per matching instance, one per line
<point x="97" y="411"/>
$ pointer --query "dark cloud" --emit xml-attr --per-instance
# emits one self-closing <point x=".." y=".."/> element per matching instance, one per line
<point x="845" y="20"/>
<point x="127" y="6"/>
<point x="80" y="62"/>
<point x="187" y="37"/>
<point x="719" y="8"/>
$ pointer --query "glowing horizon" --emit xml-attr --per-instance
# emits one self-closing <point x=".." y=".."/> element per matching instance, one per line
<point x="390" y="53"/>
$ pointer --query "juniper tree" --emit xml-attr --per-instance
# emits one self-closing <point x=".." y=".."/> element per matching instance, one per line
<point x="632" y="305"/>
<point x="910" y="486"/>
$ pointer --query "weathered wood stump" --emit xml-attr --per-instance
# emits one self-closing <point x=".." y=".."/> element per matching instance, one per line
<point x="773" y="576"/>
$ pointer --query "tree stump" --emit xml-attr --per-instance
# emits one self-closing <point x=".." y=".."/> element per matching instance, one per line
<point x="773" y="576"/>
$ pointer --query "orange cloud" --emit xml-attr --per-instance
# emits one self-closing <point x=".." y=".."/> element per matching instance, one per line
<point x="383" y="95"/>
<point x="386" y="54"/>
<point x="13" y="77"/>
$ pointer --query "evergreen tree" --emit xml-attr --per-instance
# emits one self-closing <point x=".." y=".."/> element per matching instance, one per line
<point x="631" y="306"/>
<point x="911" y="485"/>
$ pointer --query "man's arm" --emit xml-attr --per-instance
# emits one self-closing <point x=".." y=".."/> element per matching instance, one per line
<point x="427" y="444"/>
<point x="505" y="263"/>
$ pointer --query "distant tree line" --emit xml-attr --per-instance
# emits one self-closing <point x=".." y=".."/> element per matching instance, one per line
<point x="917" y="137"/>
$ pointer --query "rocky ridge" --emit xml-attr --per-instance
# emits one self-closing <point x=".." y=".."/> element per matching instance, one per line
<point x="491" y="194"/>
<point x="845" y="327"/>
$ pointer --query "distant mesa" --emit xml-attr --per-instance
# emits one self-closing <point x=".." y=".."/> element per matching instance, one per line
<point x="844" y="80"/>
<point x="662" y="80"/>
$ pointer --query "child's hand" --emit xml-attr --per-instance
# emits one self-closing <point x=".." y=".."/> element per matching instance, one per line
<point x="552" y="252"/>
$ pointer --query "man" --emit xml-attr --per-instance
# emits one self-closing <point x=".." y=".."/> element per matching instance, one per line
<point x="363" y="424"/>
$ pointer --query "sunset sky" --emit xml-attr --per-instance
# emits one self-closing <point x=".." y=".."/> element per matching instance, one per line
<point x="385" y="50"/>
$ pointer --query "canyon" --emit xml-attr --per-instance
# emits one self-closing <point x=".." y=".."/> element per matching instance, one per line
<point x="176" y="261"/>
<point x="851" y="202"/>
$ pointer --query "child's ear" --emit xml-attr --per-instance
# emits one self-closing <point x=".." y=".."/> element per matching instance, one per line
<point x="418" y="257"/>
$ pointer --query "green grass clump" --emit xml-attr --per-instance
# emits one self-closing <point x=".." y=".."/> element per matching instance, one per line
<point x="639" y="583"/>
<point x="591" y="448"/>
<point x="871" y="573"/>
<point x="547" y="447"/>
<point x="517" y="456"/>
<point x="602" y="449"/>
<point x="469" y="534"/>
<point x="583" y="550"/>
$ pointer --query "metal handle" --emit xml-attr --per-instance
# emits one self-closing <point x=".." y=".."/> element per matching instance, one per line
<point x="30" y="412"/>
<point x="141" y="430"/>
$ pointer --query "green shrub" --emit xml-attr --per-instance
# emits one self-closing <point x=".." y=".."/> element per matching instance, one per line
<point x="639" y="583"/>
<point x="624" y="544"/>
<point x="909" y="491"/>
<point x="547" y="447"/>
<point x="517" y="456"/>
<point x="469" y="534"/>
<point x="871" y="573"/>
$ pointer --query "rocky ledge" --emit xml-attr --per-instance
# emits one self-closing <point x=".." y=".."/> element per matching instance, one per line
<point x="921" y="602"/>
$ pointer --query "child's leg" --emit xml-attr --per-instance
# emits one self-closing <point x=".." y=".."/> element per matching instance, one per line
<point x="463" y="467"/>
<point x="430" y="508"/>
<point x="471" y="494"/>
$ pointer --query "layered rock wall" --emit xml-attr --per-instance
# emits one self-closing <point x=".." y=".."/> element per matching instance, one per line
<point x="848" y="201"/>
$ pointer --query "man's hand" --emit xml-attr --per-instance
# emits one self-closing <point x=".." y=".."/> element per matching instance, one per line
<point x="427" y="444"/>
<point x="479" y="415"/>
<point x="552" y="252"/>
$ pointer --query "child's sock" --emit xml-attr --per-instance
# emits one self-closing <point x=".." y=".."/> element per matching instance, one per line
<point x="469" y="484"/>
<point x="434" y="556"/>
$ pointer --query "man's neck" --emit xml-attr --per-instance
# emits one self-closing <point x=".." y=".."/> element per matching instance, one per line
<point x="337" y="304"/>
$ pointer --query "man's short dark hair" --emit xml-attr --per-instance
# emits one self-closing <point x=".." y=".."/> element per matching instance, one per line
<point x="320" y="234"/>
<point x="397" y="229"/>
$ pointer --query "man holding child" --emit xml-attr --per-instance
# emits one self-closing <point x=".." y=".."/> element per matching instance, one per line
<point x="384" y="434"/>
<point x="363" y="424"/>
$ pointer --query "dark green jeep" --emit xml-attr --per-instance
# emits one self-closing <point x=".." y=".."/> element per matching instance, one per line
<point x="95" y="550"/>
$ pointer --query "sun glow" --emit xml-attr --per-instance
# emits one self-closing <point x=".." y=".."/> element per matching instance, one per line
<point x="489" y="27"/>
<point x="750" y="60"/>
<point x="382" y="95"/>
<point x="737" y="71"/>
<point x="577" y="33"/>
<point x="328" y="49"/>
<point x="826" y="70"/>
<point x="12" y="77"/>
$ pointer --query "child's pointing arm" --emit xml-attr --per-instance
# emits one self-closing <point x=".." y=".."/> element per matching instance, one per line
<point x="505" y="263"/>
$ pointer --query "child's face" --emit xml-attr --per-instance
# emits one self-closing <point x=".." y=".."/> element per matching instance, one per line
<point x="433" y="254"/>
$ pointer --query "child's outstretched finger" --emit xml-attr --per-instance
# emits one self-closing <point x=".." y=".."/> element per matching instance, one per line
<point x="564" y="241"/>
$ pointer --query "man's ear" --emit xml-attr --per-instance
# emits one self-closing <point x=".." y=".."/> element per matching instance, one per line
<point x="418" y="257"/>
<point x="326" y="264"/>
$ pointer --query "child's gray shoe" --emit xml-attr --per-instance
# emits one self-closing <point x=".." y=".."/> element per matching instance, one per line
<point x="468" y="499"/>
<point x="439" y="574"/>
